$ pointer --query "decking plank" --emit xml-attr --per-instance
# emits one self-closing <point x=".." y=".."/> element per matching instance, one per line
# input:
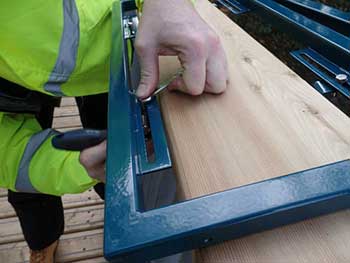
<point x="76" y="220"/>
<point x="69" y="201"/>
<point x="3" y="192"/>
<point x="67" y="101"/>
<point x="66" y="111"/>
<point x="72" y="247"/>
<point x="66" y="122"/>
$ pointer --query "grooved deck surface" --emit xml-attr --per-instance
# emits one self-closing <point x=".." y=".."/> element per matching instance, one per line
<point x="83" y="237"/>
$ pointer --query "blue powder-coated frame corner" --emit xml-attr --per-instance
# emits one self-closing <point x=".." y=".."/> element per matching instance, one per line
<point x="134" y="235"/>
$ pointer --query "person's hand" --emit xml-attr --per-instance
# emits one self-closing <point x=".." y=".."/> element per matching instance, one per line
<point x="173" y="27"/>
<point x="94" y="161"/>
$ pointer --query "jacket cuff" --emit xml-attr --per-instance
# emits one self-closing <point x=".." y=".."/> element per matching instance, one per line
<point x="58" y="172"/>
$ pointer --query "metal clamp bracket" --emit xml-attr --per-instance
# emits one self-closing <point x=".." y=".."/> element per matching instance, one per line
<point x="329" y="72"/>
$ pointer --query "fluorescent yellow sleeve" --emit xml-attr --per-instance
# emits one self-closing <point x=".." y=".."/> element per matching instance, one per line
<point x="58" y="172"/>
<point x="15" y="132"/>
<point x="50" y="171"/>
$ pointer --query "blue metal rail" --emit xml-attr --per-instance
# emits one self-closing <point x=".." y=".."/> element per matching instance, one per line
<point x="287" y="15"/>
<point x="325" y="29"/>
<point x="325" y="69"/>
<point x="135" y="235"/>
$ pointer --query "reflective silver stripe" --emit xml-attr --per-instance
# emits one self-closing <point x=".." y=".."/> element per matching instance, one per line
<point x="68" y="50"/>
<point x="23" y="183"/>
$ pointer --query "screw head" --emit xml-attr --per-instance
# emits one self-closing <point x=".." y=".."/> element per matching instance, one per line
<point x="341" y="78"/>
<point x="148" y="99"/>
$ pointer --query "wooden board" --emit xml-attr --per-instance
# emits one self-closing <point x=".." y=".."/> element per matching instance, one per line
<point x="72" y="247"/>
<point x="69" y="201"/>
<point x="67" y="101"/>
<point x="67" y="122"/>
<point x="76" y="220"/>
<point x="66" y="111"/>
<point x="268" y="123"/>
<point x="3" y="192"/>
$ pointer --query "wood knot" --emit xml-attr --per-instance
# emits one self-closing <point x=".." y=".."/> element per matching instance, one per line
<point x="311" y="110"/>
<point x="247" y="59"/>
<point x="255" y="87"/>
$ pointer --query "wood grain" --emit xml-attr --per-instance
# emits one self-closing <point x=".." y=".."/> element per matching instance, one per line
<point x="72" y="247"/>
<point x="66" y="111"/>
<point x="76" y="220"/>
<point x="67" y="122"/>
<point x="67" y="101"/>
<point x="3" y="192"/>
<point x="69" y="201"/>
<point x="268" y="123"/>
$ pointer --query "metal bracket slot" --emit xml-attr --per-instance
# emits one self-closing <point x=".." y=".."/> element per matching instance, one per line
<point x="148" y="138"/>
<point x="233" y="6"/>
<point x="333" y="75"/>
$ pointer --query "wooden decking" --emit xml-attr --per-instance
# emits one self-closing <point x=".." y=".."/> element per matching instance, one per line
<point x="83" y="237"/>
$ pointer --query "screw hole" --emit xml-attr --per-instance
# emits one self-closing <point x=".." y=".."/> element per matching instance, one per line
<point x="207" y="240"/>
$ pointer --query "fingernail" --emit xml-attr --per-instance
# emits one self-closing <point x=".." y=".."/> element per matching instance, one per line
<point x="141" y="91"/>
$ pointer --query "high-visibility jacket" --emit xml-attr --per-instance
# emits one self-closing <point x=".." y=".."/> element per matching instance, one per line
<point x="57" y="47"/>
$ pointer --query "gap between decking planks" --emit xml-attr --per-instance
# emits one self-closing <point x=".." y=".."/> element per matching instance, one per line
<point x="83" y="237"/>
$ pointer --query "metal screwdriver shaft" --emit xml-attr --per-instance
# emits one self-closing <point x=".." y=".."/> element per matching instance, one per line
<point x="163" y="86"/>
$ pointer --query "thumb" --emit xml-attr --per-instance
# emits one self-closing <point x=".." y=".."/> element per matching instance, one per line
<point x="95" y="155"/>
<point x="149" y="73"/>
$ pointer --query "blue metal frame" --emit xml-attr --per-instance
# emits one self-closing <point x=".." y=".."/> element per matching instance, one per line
<point x="322" y="88"/>
<point x="323" y="68"/>
<point x="324" y="14"/>
<point x="234" y="6"/>
<point x="325" y="29"/>
<point x="134" y="235"/>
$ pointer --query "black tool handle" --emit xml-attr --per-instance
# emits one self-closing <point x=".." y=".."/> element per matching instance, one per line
<point x="79" y="140"/>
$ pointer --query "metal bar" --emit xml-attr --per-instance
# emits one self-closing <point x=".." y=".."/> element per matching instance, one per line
<point x="323" y="88"/>
<point x="326" y="70"/>
<point x="162" y="155"/>
<point x="324" y="14"/>
<point x="322" y="9"/>
<point x="330" y="43"/>
<point x="233" y="6"/>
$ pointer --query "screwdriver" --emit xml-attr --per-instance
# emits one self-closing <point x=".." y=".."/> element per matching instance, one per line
<point x="163" y="86"/>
